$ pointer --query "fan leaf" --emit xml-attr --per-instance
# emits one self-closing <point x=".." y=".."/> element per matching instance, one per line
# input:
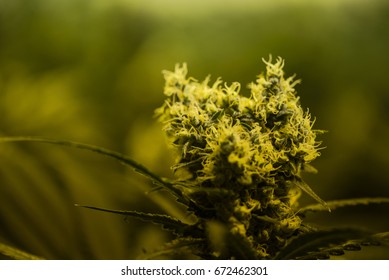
<point x="240" y="247"/>
<point x="306" y="243"/>
<point x="180" y="246"/>
<point x="382" y="237"/>
<point x="378" y="239"/>
<point x="167" y="222"/>
<point x="157" y="180"/>
<point x="334" y="204"/>
<point x="16" y="254"/>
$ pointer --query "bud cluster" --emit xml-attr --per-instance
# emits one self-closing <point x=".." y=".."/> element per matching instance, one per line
<point x="252" y="149"/>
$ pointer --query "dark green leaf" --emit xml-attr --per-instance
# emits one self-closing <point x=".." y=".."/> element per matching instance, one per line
<point x="240" y="247"/>
<point x="112" y="154"/>
<point x="336" y="251"/>
<point x="180" y="246"/>
<point x="315" y="256"/>
<point x="303" y="244"/>
<point x="352" y="246"/>
<point x="380" y="237"/>
<point x="167" y="222"/>
<point x="16" y="254"/>
<point x="343" y="203"/>
<point x="225" y="244"/>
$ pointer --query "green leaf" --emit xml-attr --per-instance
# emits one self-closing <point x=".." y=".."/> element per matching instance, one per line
<point x="240" y="247"/>
<point x="304" y="186"/>
<point x="226" y="244"/>
<point x="306" y="243"/>
<point x="180" y="246"/>
<point x="16" y="253"/>
<point x="112" y="154"/>
<point x="382" y="236"/>
<point x="167" y="222"/>
<point x="334" y="204"/>
<point x="378" y="239"/>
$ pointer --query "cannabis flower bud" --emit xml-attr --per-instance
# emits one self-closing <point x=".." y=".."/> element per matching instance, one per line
<point x="251" y="149"/>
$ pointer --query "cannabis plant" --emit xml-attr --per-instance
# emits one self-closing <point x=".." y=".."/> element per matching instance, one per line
<point x="239" y="165"/>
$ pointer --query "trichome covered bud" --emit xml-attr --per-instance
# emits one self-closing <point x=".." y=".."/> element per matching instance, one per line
<point x="251" y="149"/>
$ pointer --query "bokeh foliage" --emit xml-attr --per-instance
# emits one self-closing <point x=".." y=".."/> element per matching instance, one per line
<point x="90" y="71"/>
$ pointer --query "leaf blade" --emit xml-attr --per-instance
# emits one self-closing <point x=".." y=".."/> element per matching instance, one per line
<point x="124" y="159"/>
<point x="177" y="246"/>
<point x="116" y="155"/>
<point x="312" y="241"/>
<point x="334" y="204"/>
<point x="167" y="222"/>
<point x="16" y="254"/>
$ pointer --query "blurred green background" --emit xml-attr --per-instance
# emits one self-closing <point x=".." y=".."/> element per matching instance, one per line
<point x="90" y="71"/>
